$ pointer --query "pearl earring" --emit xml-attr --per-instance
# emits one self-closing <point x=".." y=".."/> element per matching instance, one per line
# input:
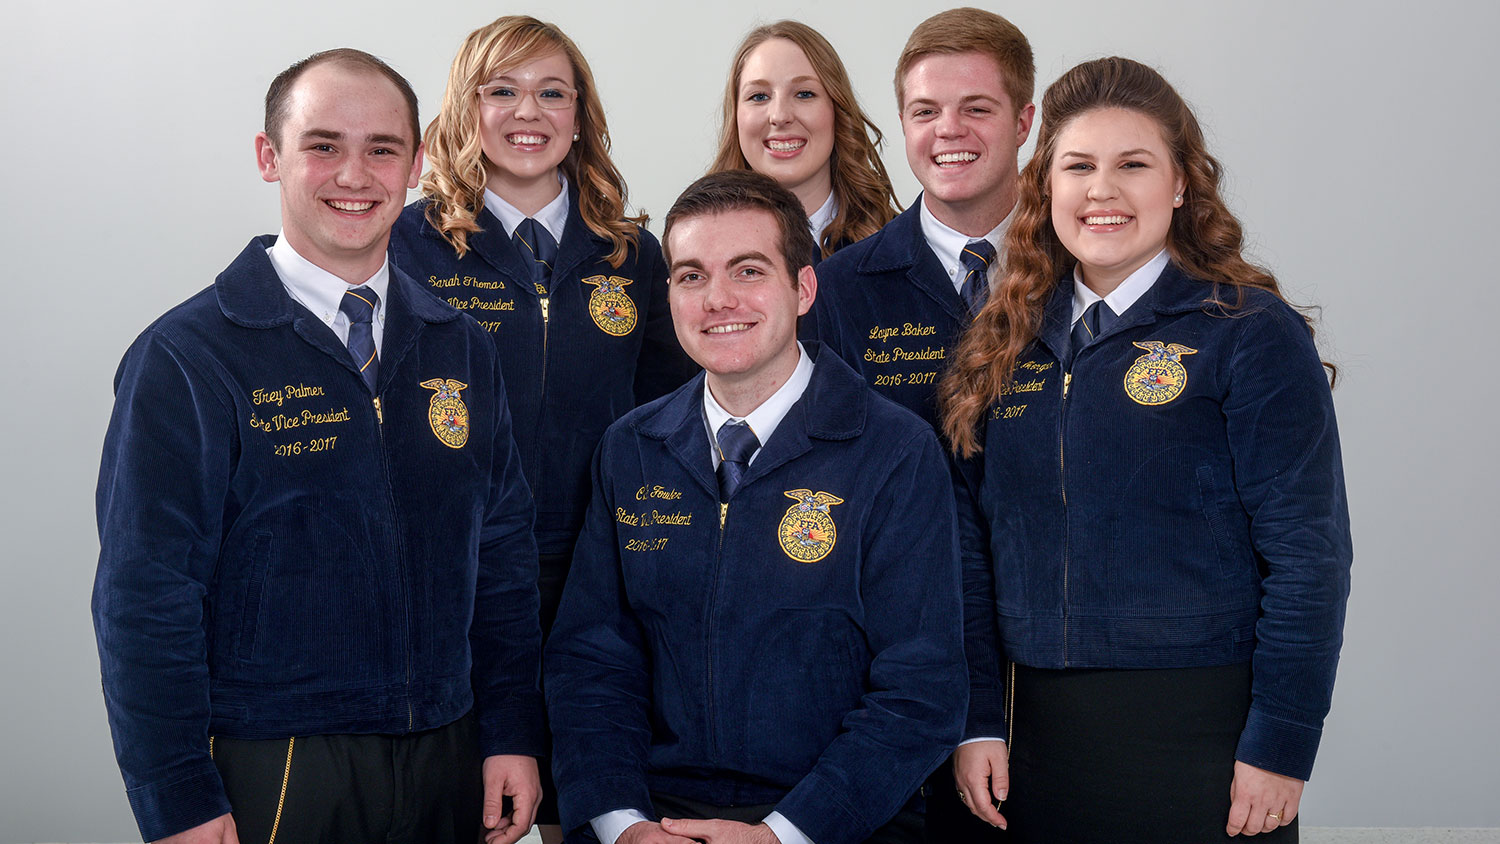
<point x="1179" y="196"/>
<point x="575" y="137"/>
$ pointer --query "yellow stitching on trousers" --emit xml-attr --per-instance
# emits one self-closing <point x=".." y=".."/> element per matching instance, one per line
<point x="1010" y="711"/>
<point x="280" y="802"/>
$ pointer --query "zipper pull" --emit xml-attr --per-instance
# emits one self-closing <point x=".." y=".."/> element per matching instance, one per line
<point x="379" y="416"/>
<point x="1067" y="382"/>
<point x="545" y="302"/>
<point x="723" y="513"/>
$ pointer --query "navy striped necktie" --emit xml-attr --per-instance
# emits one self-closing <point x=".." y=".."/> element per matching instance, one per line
<point x="538" y="250"/>
<point x="1096" y="320"/>
<point x="737" y="444"/>
<point x="976" y="259"/>
<point x="359" y="306"/>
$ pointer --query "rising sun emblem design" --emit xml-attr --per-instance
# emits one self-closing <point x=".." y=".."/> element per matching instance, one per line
<point x="806" y="531"/>
<point x="446" y="412"/>
<point x="611" y="307"/>
<point x="1158" y="376"/>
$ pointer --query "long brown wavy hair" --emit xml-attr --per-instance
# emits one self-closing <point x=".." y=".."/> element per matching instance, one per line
<point x="1205" y="240"/>
<point x="459" y="168"/>
<point x="861" y="186"/>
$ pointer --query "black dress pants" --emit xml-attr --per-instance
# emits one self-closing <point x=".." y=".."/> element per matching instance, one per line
<point x="423" y="787"/>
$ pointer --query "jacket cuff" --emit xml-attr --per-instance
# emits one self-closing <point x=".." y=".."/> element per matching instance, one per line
<point x="581" y="802"/>
<point x="167" y="809"/>
<point x="516" y="729"/>
<point x="1278" y="746"/>
<point x="816" y="810"/>
<point x="986" y="712"/>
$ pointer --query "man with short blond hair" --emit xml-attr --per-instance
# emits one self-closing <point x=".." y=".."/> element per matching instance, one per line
<point x="895" y="304"/>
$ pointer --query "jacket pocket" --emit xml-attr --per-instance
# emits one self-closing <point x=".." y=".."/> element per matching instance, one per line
<point x="259" y="562"/>
<point x="1235" y="563"/>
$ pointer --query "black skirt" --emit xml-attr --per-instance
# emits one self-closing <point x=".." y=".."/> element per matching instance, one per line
<point x="1119" y="756"/>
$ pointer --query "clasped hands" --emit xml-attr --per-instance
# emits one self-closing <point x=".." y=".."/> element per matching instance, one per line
<point x="689" y="831"/>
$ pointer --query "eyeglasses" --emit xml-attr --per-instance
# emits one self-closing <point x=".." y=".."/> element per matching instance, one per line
<point x="510" y="96"/>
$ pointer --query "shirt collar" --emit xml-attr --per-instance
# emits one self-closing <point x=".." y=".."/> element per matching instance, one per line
<point x="553" y="216"/>
<point x="1121" y="298"/>
<point x="820" y="218"/>
<point x="763" y="420"/>
<point x="319" y="290"/>
<point x="948" y="243"/>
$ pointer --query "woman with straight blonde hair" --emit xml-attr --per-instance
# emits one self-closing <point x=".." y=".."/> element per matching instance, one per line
<point x="523" y="226"/>
<point x="790" y="113"/>
<point x="1158" y="567"/>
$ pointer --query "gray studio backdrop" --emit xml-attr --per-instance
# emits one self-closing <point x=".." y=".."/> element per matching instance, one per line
<point x="1360" y="145"/>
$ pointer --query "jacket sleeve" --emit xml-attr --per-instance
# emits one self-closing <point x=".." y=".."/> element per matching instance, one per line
<point x="598" y="676"/>
<point x="163" y="481"/>
<point x="663" y="365"/>
<point x="1289" y="475"/>
<point x="912" y="714"/>
<point x="505" y="636"/>
<point x="981" y="627"/>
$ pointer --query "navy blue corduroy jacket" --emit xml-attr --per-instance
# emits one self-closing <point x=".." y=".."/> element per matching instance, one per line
<point x="1146" y="512"/>
<point x="567" y="376"/>
<point x="281" y="557"/>
<point x="887" y="308"/>
<point x="695" y="656"/>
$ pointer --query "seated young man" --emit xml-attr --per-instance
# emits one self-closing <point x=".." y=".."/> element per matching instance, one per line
<point x="761" y="635"/>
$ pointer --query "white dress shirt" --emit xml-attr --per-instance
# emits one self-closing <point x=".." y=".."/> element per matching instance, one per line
<point x="321" y="292"/>
<point x="1121" y="298"/>
<point x="553" y="216"/>
<point x="818" y="221"/>
<point x="948" y="243"/>
<point x="763" y="421"/>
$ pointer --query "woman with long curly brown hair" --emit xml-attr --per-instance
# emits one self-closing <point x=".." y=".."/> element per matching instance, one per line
<point x="790" y="113"/>
<point x="1159" y="558"/>
<point x="523" y="226"/>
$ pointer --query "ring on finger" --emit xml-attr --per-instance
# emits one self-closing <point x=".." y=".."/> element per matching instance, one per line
<point x="1275" y="816"/>
<point x="962" y="796"/>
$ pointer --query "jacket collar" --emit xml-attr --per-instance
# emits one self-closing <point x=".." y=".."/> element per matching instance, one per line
<point x="901" y="246"/>
<point x="491" y="243"/>
<point x="251" y="294"/>
<point x="832" y="408"/>
<point x="1174" y="292"/>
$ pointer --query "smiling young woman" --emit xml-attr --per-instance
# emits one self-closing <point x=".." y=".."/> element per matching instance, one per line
<point x="790" y="113"/>
<point x="522" y="225"/>
<point x="1161" y="498"/>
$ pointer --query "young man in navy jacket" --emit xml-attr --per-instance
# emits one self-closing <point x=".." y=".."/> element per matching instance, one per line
<point x="316" y="555"/>
<point x="892" y="306"/>
<point x="760" y="639"/>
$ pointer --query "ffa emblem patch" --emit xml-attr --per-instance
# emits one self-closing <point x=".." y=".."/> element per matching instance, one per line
<point x="446" y="412"/>
<point x="1158" y="376"/>
<point x="612" y="309"/>
<point x="806" y="531"/>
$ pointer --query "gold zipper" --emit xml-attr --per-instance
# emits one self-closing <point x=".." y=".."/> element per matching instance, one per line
<point x="379" y="415"/>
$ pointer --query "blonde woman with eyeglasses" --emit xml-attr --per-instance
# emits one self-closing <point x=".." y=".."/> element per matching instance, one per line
<point x="522" y="225"/>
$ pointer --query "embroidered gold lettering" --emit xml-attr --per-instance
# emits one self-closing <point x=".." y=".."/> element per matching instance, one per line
<point x="928" y="353"/>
